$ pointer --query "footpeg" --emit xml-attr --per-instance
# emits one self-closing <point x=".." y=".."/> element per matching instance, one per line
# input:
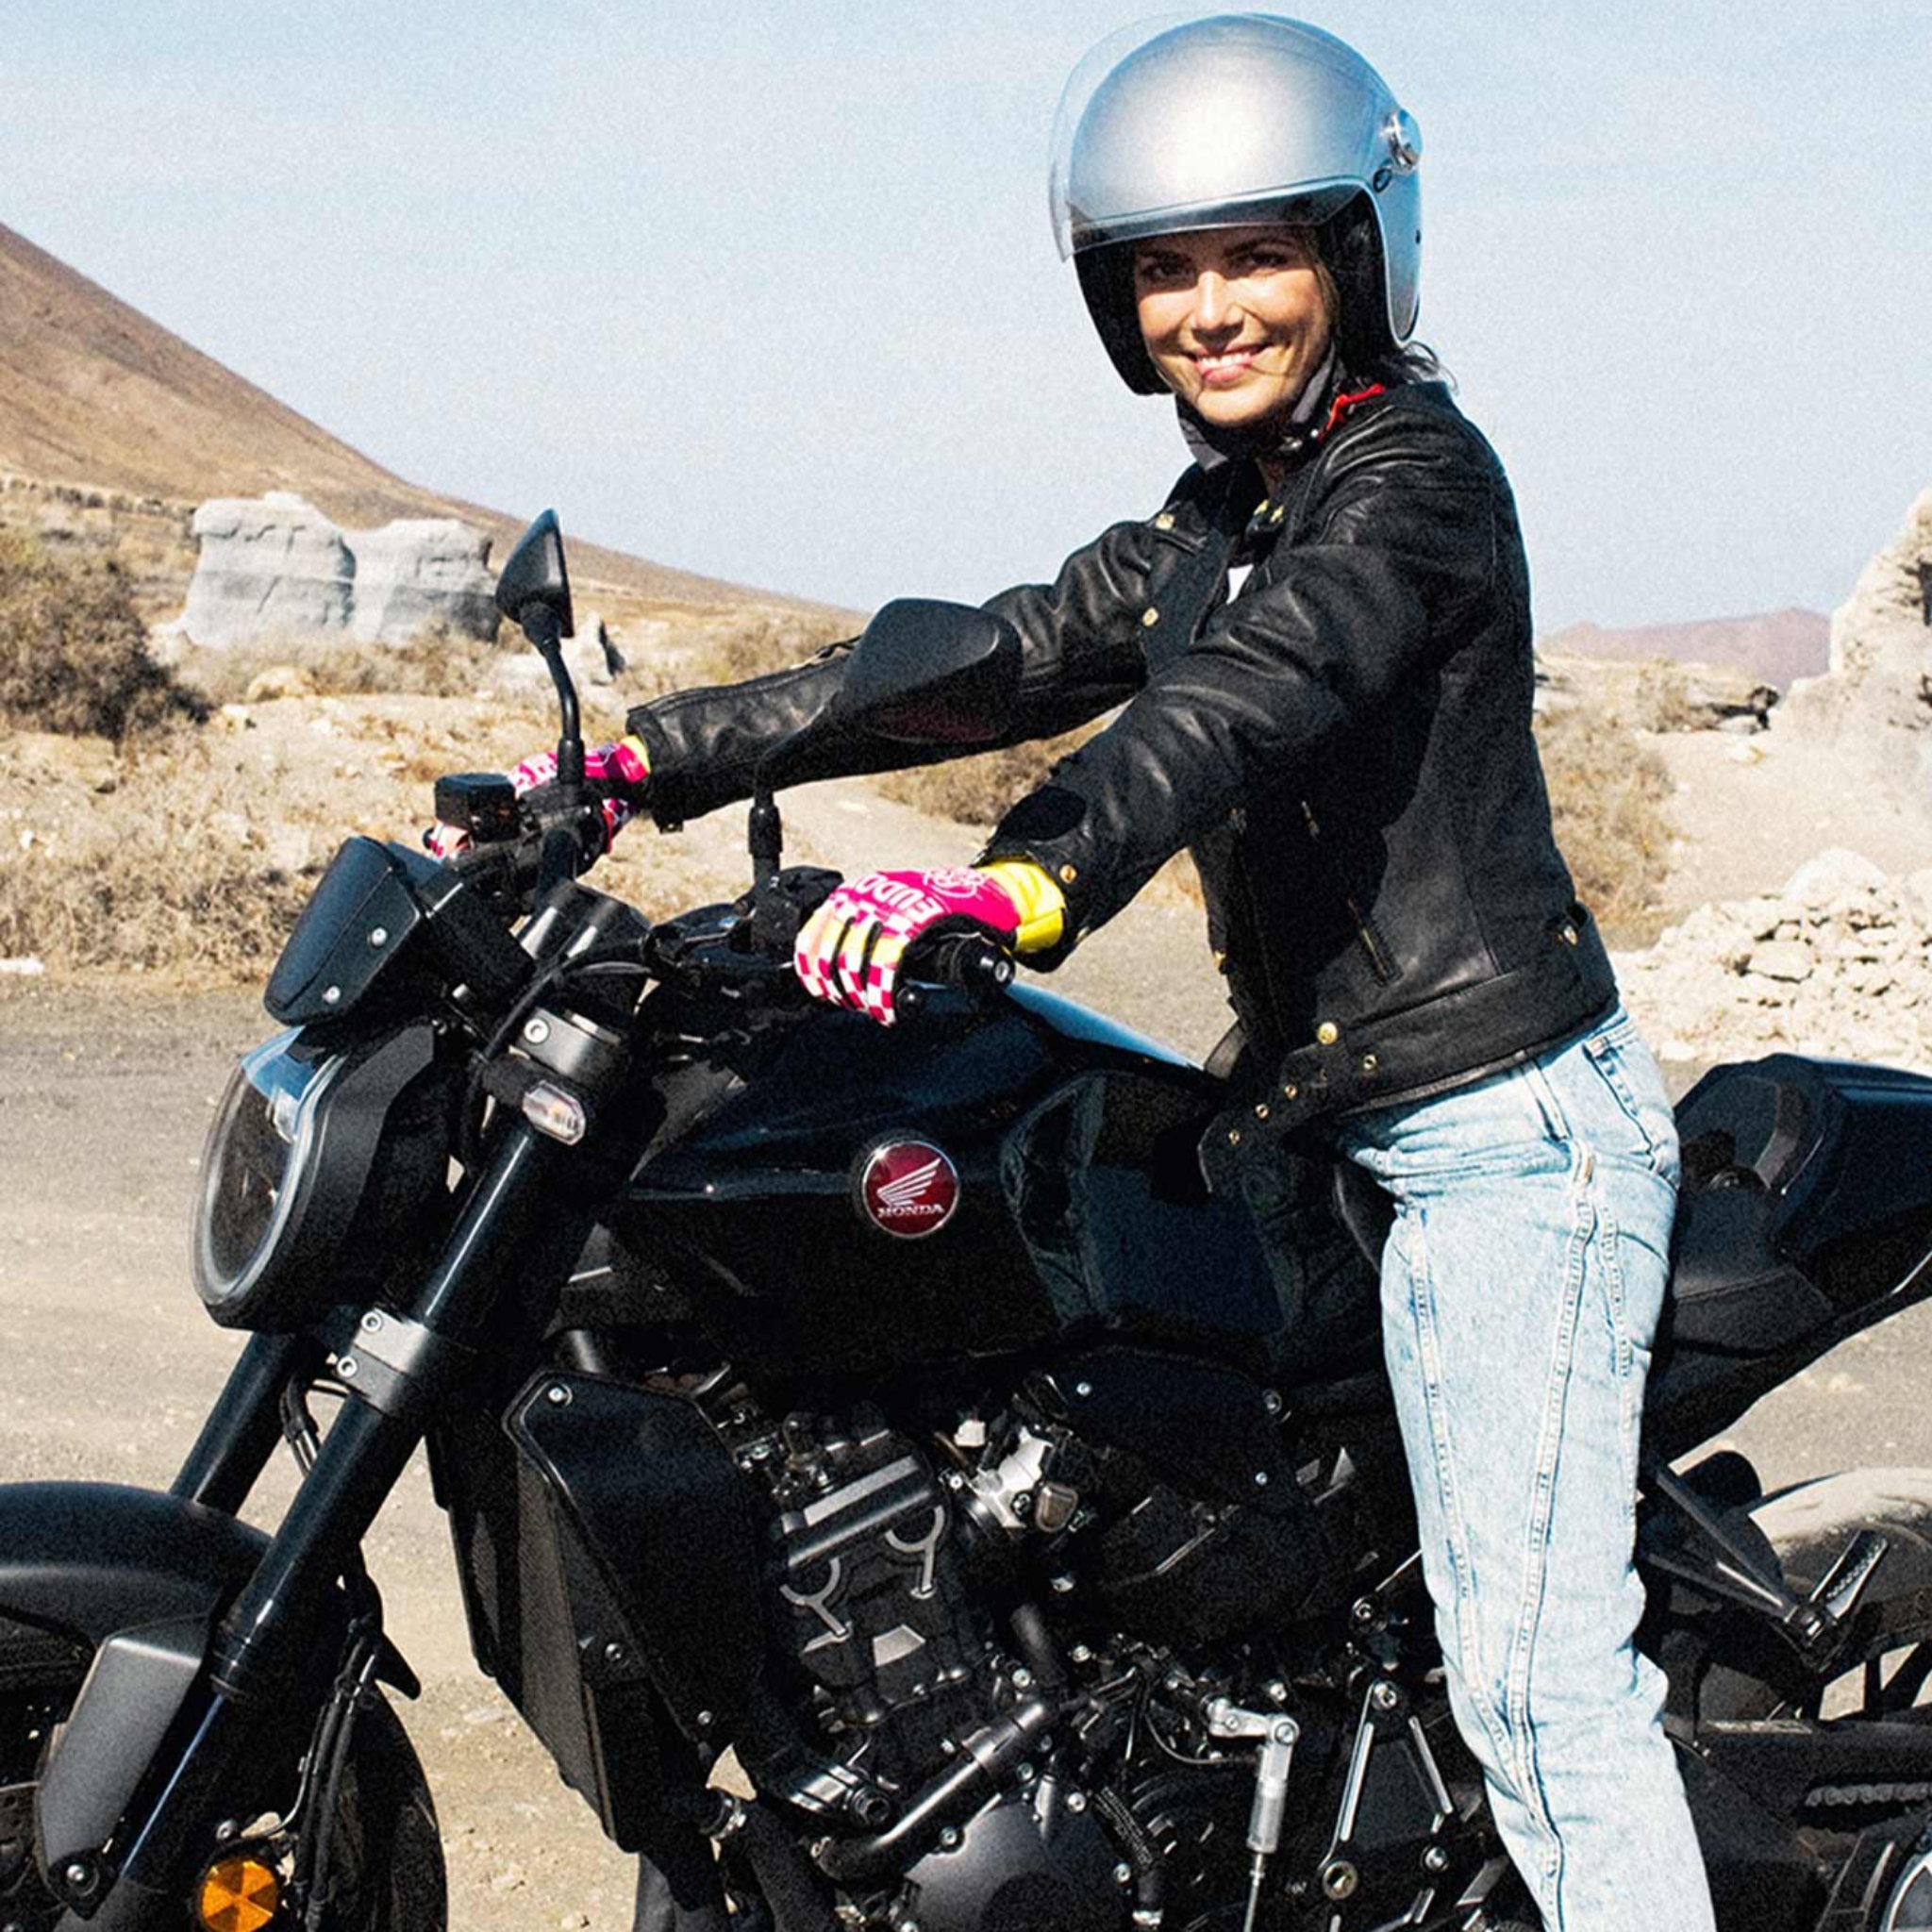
<point x="1842" y="1586"/>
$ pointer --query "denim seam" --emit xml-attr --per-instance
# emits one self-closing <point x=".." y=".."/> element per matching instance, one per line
<point x="1549" y="1105"/>
<point x="1629" y="1402"/>
<point x="1607" y="1062"/>
<point x="1428" y="1350"/>
<point x="1517" y="1688"/>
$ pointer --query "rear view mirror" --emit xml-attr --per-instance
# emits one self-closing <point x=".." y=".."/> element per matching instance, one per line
<point x="931" y="672"/>
<point x="534" y="585"/>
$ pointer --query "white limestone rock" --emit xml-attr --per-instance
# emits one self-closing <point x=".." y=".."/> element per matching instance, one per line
<point x="1840" y="965"/>
<point x="421" y="573"/>
<point x="1876" y="698"/>
<point x="275" y="567"/>
<point x="271" y="566"/>
<point x="1832" y="875"/>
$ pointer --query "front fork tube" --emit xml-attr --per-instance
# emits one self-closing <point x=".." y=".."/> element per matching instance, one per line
<point x="264" y="1645"/>
<point x="245" y="1423"/>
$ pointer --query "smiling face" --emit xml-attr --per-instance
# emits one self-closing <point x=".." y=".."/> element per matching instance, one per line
<point x="1236" y="319"/>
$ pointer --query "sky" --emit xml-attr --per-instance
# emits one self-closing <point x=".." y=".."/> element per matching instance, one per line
<point x="767" y="290"/>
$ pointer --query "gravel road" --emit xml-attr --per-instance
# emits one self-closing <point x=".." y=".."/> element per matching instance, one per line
<point x="104" y="1097"/>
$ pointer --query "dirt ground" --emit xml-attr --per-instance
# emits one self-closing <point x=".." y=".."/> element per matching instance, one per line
<point x="105" y="1092"/>
<point x="1748" y="811"/>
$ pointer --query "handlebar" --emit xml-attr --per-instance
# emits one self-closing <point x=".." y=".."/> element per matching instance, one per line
<point x="729" y="948"/>
<point x="966" y="961"/>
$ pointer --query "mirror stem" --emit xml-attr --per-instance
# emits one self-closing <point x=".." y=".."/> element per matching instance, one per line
<point x="540" y="625"/>
<point x="767" y="835"/>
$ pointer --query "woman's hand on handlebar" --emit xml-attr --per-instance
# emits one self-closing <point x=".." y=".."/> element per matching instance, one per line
<point x="618" y="774"/>
<point x="851" y="951"/>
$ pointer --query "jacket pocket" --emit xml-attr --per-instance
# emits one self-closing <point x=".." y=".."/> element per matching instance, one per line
<point x="1381" y="959"/>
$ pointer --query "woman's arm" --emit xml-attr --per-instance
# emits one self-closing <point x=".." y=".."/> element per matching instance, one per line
<point x="1079" y="636"/>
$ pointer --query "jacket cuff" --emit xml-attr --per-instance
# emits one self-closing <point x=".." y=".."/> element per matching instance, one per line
<point x="660" y="793"/>
<point x="1040" y="902"/>
<point x="1048" y="829"/>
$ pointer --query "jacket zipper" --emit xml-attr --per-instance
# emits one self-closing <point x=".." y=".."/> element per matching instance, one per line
<point x="1379" y="962"/>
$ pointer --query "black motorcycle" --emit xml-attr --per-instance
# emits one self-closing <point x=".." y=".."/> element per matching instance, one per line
<point x="895" y="1488"/>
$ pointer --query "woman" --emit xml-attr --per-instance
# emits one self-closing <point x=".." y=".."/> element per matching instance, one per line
<point x="1323" y="645"/>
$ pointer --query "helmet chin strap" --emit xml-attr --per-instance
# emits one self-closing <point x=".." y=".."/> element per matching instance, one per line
<point x="1213" y="442"/>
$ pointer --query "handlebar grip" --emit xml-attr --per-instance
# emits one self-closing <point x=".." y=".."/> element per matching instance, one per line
<point x="967" y="962"/>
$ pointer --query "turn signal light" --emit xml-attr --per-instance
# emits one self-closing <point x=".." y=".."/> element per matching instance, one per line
<point x="553" y="1111"/>
<point x="238" y="1895"/>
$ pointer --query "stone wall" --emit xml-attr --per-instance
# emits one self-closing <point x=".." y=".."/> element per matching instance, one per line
<point x="274" y="567"/>
<point x="1838" y="963"/>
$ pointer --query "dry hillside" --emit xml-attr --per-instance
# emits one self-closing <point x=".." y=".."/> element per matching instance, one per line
<point x="117" y="421"/>
<point x="1777" y="647"/>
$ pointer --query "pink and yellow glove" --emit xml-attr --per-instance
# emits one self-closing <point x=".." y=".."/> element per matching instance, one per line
<point x="622" y="766"/>
<point x="849" y="952"/>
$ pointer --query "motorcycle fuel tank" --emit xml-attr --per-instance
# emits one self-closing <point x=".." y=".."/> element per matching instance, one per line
<point x="872" y="1198"/>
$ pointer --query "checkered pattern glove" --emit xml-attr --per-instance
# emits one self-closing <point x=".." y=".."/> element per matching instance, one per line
<point x="622" y="768"/>
<point x="850" y="951"/>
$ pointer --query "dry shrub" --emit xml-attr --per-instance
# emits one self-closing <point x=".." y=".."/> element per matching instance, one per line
<point x="978" y="791"/>
<point x="190" y="854"/>
<point x="436" y="663"/>
<point x="73" y="654"/>
<point x="180" y="884"/>
<point x="1607" y="800"/>
<point x="1661" y="700"/>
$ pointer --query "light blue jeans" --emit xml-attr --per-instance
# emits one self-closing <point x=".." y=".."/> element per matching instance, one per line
<point x="1521" y="1289"/>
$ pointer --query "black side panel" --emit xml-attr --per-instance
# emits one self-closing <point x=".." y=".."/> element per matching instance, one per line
<point x="1206" y="1429"/>
<point x="609" y="1560"/>
<point x="1106" y="1189"/>
<point x="657" y="1499"/>
<point x="98" y="1557"/>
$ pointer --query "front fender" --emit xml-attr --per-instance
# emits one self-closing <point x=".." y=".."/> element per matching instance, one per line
<point x="140" y="1577"/>
<point x="91" y="1558"/>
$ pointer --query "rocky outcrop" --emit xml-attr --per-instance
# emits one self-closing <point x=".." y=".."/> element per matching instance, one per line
<point x="275" y="567"/>
<point x="1838" y="963"/>
<point x="418" y="575"/>
<point x="1655" y="695"/>
<point x="1876" y="698"/>
<point x="271" y="566"/>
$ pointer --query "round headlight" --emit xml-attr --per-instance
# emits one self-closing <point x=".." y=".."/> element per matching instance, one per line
<point x="319" y="1167"/>
<point x="260" y="1152"/>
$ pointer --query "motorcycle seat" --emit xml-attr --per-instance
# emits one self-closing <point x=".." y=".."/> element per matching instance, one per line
<point x="1807" y="1195"/>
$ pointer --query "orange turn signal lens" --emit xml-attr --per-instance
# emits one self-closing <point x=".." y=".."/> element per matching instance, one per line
<point x="238" y="1895"/>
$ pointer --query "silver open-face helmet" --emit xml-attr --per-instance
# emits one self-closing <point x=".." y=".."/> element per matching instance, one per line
<point x="1218" y="123"/>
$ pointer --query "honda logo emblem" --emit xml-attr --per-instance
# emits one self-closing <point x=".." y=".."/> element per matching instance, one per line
<point x="908" y="1188"/>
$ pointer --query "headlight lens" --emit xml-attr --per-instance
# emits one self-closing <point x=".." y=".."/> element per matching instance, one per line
<point x="259" y="1154"/>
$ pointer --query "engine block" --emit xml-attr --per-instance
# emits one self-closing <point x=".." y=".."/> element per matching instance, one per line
<point x="880" y="1621"/>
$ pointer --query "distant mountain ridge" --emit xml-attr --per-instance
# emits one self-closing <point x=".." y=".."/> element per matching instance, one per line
<point x="1777" y="647"/>
<point x="93" y="394"/>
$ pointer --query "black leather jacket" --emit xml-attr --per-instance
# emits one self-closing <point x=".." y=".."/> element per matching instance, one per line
<point x="1345" y="747"/>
